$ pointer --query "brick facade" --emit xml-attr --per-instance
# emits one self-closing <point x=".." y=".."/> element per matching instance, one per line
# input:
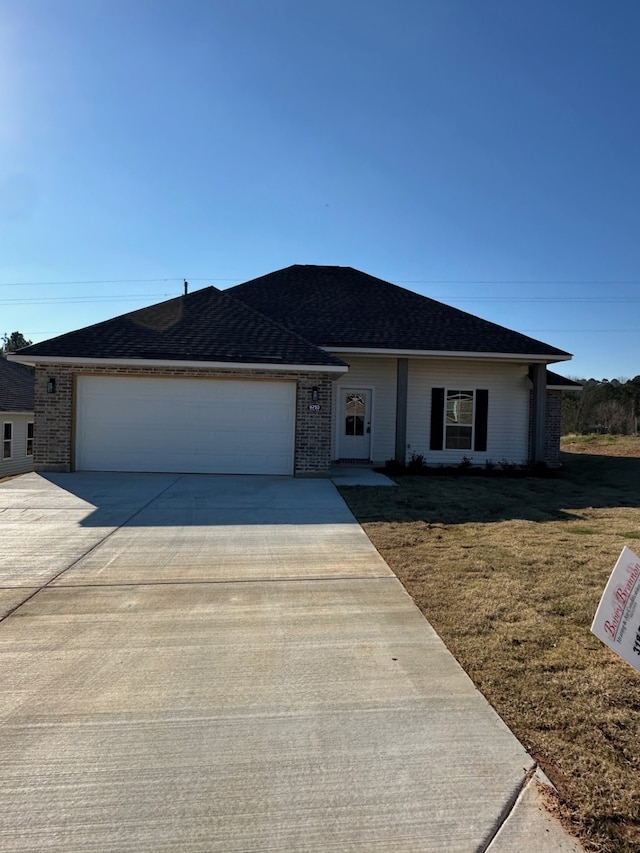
<point x="54" y="413"/>
<point x="552" y="427"/>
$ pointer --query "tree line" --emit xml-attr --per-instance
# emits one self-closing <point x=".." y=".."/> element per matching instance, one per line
<point x="12" y="342"/>
<point x="603" y="406"/>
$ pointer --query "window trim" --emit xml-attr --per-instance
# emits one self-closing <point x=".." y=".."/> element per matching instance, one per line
<point x="29" y="438"/>
<point x="7" y="441"/>
<point x="480" y="422"/>
<point x="470" y="425"/>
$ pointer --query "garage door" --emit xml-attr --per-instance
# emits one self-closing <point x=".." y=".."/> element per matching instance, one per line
<point x="184" y="425"/>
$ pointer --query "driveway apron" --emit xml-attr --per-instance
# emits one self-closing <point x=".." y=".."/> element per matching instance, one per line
<point x="204" y="663"/>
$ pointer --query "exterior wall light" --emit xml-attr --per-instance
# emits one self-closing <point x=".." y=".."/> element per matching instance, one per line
<point x="314" y="394"/>
<point x="51" y="385"/>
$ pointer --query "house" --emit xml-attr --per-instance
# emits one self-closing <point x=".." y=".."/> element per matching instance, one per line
<point x="16" y="419"/>
<point x="288" y="373"/>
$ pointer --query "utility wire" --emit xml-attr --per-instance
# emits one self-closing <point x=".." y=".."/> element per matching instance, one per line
<point x="81" y="299"/>
<point x="398" y="281"/>
<point x="448" y="297"/>
<point x="108" y="281"/>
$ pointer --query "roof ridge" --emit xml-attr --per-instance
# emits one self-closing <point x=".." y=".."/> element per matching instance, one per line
<point x="341" y="306"/>
<point x="207" y="325"/>
<point x="278" y="324"/>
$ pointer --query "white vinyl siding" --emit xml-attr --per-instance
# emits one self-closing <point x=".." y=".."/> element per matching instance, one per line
<point x="508" y="418"/>
<point x="185" y="425"/>
<point x="19" y="462"/>
<point x="379" y="374"/>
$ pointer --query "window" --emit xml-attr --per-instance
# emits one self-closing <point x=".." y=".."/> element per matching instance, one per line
<point x="355" y="411"/>
<point x="29" y="438"/>
<point x="459" y="425"/>
<point x="459" y="419"/>
<point x="7" y="439"/>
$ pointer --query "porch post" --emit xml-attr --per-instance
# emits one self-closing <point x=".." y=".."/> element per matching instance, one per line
<point x="401" y="409"/>
<point x="539" y="379"/>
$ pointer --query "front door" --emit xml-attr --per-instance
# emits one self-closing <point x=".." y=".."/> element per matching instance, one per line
<point x="354" y="435"/>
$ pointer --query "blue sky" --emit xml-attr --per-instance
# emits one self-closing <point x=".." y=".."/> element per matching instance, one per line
<point x="481" y="152"/>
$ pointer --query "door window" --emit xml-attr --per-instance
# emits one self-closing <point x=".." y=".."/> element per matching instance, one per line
<point x="355" y="413"/>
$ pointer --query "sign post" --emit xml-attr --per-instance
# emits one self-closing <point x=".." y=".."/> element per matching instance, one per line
<point x="617" y="619"/>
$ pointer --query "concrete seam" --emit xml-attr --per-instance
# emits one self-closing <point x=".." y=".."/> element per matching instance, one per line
<point x="507" y="811"/>
<point x="89" y="550"/>
<point x="207" y="582"/>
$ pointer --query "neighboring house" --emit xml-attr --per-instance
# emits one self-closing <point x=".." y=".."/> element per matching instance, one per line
<point x="16" y="419"/>
<point x="289" y="373"/>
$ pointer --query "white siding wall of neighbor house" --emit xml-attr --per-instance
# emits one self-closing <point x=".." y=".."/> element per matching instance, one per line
<point x="19" y="462"/>
<point x="378" y="373"/>
<point x="508" y="416"/>
<point x="185" y="425"/>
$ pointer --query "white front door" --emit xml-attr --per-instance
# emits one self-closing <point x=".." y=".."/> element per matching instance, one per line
<point x="354" y="427"/>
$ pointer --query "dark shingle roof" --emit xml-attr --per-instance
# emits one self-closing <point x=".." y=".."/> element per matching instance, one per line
<point x="561" y="382"/>
<point x="16" y="387"/>
<point x="206" y="325"/>
<point x="342" y="307"/>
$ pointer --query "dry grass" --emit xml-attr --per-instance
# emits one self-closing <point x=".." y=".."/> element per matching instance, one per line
<point x="510" y="572"/>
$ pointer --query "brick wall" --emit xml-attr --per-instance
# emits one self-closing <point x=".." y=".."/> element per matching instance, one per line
<point x="54" y="413"/>
<point x="52" y="420"/>
<point x="552" y="427"/>
<point x="313" y="429"/>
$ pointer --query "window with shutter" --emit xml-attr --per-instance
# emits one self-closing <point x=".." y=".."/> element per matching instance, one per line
<point x="459" y="419"/>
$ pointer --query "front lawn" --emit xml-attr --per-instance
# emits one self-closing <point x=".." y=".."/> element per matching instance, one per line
<point x="510" y="572"/>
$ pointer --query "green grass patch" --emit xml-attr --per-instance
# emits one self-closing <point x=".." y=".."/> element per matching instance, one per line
<point x="528" y="560"/>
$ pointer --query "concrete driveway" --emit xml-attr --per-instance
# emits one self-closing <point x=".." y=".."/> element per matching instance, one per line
<point x="202" y="663"/>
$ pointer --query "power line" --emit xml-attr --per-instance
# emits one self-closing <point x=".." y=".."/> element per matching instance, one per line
<point x="61" y="300"/>
<point x="107" y="281"/>
<point x="448" y="297"/>
<point x="540" y="298"/>
<point x="398" y="281"/>
<point x="513" y="281"/>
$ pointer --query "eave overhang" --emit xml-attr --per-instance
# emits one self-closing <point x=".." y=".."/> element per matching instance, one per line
<point x="564" y="387"/>
<point x="529" y="358"/>
<point x="168" y="363"/>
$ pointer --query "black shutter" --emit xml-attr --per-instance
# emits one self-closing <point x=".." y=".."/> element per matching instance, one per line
<point x="437" y="418"/>
<point x="482" y="411"/>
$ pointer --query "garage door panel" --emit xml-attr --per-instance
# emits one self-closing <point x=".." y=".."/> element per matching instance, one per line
<point x="184" y="425"/>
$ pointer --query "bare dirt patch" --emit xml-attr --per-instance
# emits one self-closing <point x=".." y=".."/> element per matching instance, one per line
<point x="509" y="572"/>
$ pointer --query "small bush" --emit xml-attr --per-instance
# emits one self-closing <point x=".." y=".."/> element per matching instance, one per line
<point x="417" y="466"/>
<point x="393" y="468"/>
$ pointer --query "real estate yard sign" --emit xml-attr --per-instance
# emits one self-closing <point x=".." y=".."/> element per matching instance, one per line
<point x="617" y="619"/>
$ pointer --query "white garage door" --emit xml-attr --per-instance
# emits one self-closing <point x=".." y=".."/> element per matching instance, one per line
<point x="184" y="425"/>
